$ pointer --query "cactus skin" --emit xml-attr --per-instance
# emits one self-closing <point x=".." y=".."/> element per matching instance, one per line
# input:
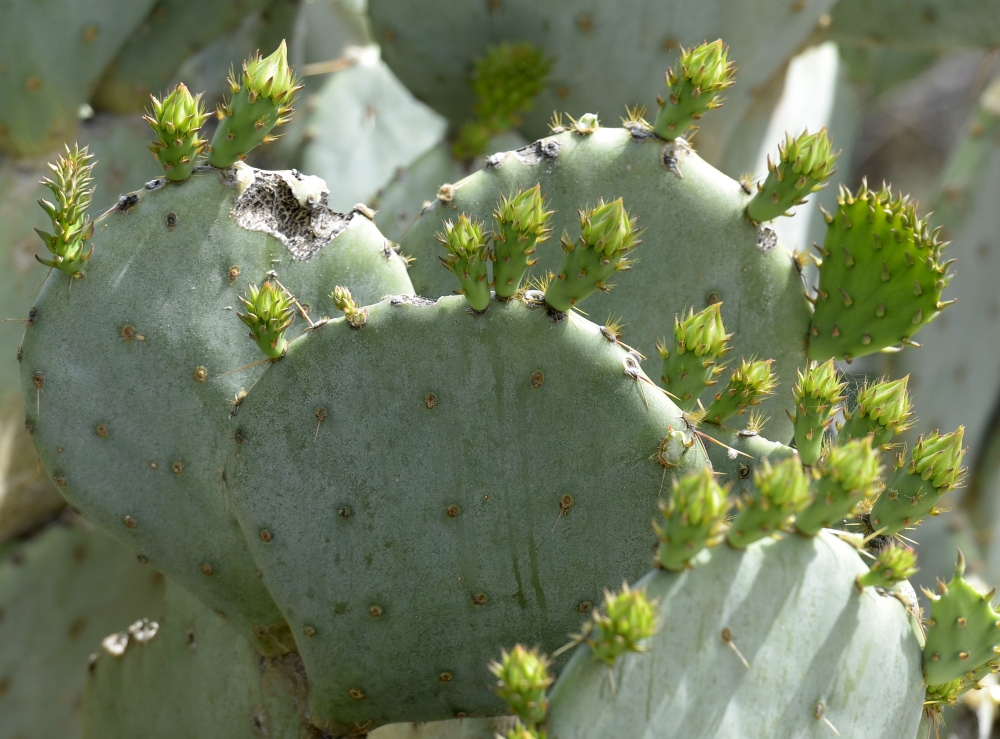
<point x="61" y="591"/>
<point x="521" y="224"/>
<point x="916" y="488"/>
<point x="694" y="518"/>
<point x="703" y="73"/>
<point x="261" y="100"/>
<point x="468" y="255"/>
<point x="804" y="165"/>
<point x="473" y="383"/>
<point x="883" y="409"/>
<point x="699" y="247"/>
<point x="817" y="395"/>
<point x="894" y="564"/>
<point x="821" y="618"/>
<point x="691" y="363"/>
<point x="146" y="333"/>
<point x="881" y="277"/>
<point x="176" y="121"/>
<point x="782" y="491"/>
<point x="71" y="225"/>
<point x="196" y="676"/>
<point x="846" y="476"/>
<point x="748" y="385"/>
<point x="607" y="234"/>
<point x="963" y="632"/>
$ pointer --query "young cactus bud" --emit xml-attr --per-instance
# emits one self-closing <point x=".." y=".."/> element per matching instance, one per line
<point x="607" y="234"/>
<point x="522" y="224"/>
<point x="176" y="122"/>
<point x="468" y="254"/>
<point x="71" y="226"/>
<point x="915" y="489"/>
<point x="694" y="518"/>
<point x="880" y="279"/>
<point x="894" y="564"/>
<point x="817" y="395"/>
<point x="690" y="364"/>
<point x="269" y="314"/>
<point x="804" y="166"/>
<point x="522" y="679"/>
<point x="343" y="301"/>
<point x="704" y="71"/>
<point x="629" y="619"/>
<point x="261" y="100"/>
<point x="782" y="491"/>
<point x="749" y="384"/>
<point x="883" y="410"/>
<point x="963" y="632"/>
<point x="847" y="476"/>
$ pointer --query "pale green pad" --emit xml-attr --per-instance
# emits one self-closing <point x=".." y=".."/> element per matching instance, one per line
<point x="808" y="634"/>
<point x="462" y="505"/>
<point x="161" y="461"/>
<point x="698" y="246"/>
<point x="196" y="678"/>
<point x="61" y="592"/>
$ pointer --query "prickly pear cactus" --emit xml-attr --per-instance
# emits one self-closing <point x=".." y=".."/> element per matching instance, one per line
<point x="524" y="436"/>
<point x="61" y="591"/>
<point x="188" y="673"/>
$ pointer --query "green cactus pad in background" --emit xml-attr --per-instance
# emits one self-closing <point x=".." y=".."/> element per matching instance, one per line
<point x="461" y="728"/>
<point x="817" y="395"/>
<point x="71" y="226"/>
<point x="521" y="221"/>
<point x="699" y="247"/>
<point x="963" y="632"/>
<point x="126" y="383"/>
<point x="467" y="259"/>
<point x="782" y="490"/>
<point x="882" y="409"/>
<point x="190" y="675"/>
<point x="53" y="53"/>
<point x="262" y="98"/>
<point x="721" y="665"/>
<point x="691" y="363"/>
<point x="61" y="591"/>
<point x="522" y="679"/>
<point x="893" y="565"/>
<point x="524" y="436"/>
<point x="749" y="384"/>
<point x="269" y="313"/>
<point x="694" y="517"/>
<point x="847" y="476"/>
<point x="607" y="235"/>
<point x="155" y="51"/>
<point x="804" y="166"/>
<point x="176" y="121"/>
<point x="702" y="74"/>
<point x="916" y="488"/>
<point x="881" y="277"/>
<point x="923" y="25"/>
<point x="627" y="621"/>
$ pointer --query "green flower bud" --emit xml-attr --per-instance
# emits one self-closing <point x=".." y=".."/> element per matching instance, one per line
<point x="883" y="409"/>
<point x="522" y="223"/>
<point x="691" y="363"/>
<point x="629" y="618"/>
<point x="893" y="565"/>
<point x="467" y="256"/>
<point x="782" y="491"/>
<point x="522" y="679"/>
<point x="71" y="226"/>
<point x="269" y="313"/>
<point x="343" y="301"/>
<point x="817" y="395"/>
<point x="704" y="71"/>
<point x="847" y="475"/>
<point x="694" y="518"/>
<point x="748" y="385"/>
<point x="938" y="459"/>
<point x="804" y="166"/>
<point x="176" y="121"/>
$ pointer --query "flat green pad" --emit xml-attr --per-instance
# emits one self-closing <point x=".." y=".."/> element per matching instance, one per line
<point x="61" y="592"/>
<point x="132" y="417"/>
<point x="698" y="245"/>
<point x="918" y="24"/>
<point x="194" y="678"/>
<point x="810" y="637"/>
<point x="403" y="577"/>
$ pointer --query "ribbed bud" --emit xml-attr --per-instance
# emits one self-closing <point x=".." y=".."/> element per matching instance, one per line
<point x="703" y="72"/>
<point x="894" y="564"/>
<point x="467" y="257"/>
<point x="804" y="166"/>
<point x="748" y="385"/>
<point x="343" y="301"/>
<point x="176" y="122"/>
<point x="938" y="459"/>
<point x="847" y="475"/>
<point x="522" y="679"/>
<point x="782" y="490"/>
<point x="694" y="518"/>
<point x="522" y="224"/>
<point x="689" y="364"/>
<point x="71" y="225"/>
<point x="817" y="395"/>
<point x="883" y="409"/>
<point x="629" y="619"/>
<point x="269" y="313"/>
